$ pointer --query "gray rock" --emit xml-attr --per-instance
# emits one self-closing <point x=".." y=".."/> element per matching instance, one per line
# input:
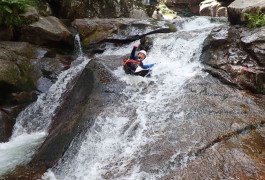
<point x="31" y="15"/>
<point x="236" y="58"/>
<point x="118" y="30"/>
<point x="10" y="73"/>
<point x="47" y="31"/>
<point x="254" y="42"/>
<point x="237" y="9"/>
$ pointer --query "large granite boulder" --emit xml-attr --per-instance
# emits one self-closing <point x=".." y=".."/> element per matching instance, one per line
<point x="254" y="43"/>
<point x="87" y="96"/>
<point x="16" y="69"/>
<point x="185" y="7"/>
<point x="212" y="8"/>
<point x="31" y="15"/>
<point x="236" y="56"/>
<point x="25" y="71"/>
<point x="76" y="9"/>
<point x="47" y="31"/>
<point x="238" y="8"/>
<point x="118" y="30"/>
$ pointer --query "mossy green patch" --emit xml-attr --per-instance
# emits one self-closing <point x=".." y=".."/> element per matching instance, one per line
<point x="91" y="38"/>
<point x="256" y="19"/>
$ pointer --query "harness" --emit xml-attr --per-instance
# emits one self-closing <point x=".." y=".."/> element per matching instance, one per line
<point x="130" y="66"/>
<point x="130" y="61"/>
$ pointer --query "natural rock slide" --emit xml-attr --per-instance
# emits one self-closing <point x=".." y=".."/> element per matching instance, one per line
<point x="199" y="116"/>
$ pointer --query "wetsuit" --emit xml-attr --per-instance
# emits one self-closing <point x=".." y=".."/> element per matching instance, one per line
<point x="134" y="62"/>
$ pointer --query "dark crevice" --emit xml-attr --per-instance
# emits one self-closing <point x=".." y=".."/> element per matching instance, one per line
<point x="186" y="158"/>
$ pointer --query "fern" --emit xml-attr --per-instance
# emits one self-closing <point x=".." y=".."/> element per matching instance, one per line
<point x="255" y="20"/>
<point x="10" y="10"/>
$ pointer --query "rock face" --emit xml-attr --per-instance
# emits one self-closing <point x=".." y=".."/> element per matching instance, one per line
<point x="99" y="8"/>
<point x="237" y="9"/>
<point x="8" y="116"/>
<point x="118" y="30"/>
<point x="16" y="68"/>
<point x="185" y="7"/>
<point x="47" y="31"/>
<point x="25" y="70"/>
<point x="212" y="8"/>
<point x="88" y="95"/>
<point x="236" y="56"/>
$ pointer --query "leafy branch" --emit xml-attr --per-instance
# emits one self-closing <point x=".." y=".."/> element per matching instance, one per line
<point x="255" y="20"/>
<point x="10" y="10"/>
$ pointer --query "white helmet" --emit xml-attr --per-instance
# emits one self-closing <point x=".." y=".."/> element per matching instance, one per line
<point x="143" y="52"/>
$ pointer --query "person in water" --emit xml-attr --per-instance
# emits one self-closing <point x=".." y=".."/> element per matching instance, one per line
<point x="135" y="65"/>
<point x="157" y="15"/>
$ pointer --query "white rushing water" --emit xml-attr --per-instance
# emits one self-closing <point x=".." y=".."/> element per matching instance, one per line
<point x="114" y="147"/>
<point x="32" y="124"/>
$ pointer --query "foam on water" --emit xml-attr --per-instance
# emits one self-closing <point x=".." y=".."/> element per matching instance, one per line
<point x="198" y="23"/>
<point x="36" y="117"/>
<point x="19" y="150"/>
<point x="114" y="146"/>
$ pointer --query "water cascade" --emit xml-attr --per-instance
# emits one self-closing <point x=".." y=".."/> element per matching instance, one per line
<point x="149" y="110"/>
<point x="32" y="124"/>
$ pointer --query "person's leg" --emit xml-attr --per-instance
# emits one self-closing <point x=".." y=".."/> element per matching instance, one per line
<point x="144" y="73"/>
<point x="128" y="69"/>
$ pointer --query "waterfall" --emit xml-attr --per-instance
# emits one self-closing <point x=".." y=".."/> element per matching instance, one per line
<point x="78" y="47"/>
<point x="149" y="109"/>
<point x="32" y="124"/>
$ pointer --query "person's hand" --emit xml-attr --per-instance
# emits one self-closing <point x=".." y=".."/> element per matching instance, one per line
<point x="136" y="45"/>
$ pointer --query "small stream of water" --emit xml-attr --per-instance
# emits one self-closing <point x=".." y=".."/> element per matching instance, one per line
<point x="32" y="124"/>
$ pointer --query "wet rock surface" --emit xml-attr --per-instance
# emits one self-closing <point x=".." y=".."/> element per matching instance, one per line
<point x="6" y="125"/>
<point x="94" y="89"/>
<point x="221" y="133"/>
<point x="8" y="116"/>
<point x="118" y="30"/>
<point x="216" y="119"/>
<point x="241" y="157"/>
<point x="26" y="71"/>
<point x="235" y="55"/>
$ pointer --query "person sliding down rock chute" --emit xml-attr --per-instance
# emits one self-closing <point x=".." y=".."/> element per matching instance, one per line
<point x="134" y="65"/>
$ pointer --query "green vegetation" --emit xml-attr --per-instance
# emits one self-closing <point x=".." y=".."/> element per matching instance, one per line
<point x="10" y="10"/>
<point x="255" y="20"/>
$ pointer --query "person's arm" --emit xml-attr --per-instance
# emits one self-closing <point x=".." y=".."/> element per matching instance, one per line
<point x="147" y="66"/>
<point x="133" y="55"/>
